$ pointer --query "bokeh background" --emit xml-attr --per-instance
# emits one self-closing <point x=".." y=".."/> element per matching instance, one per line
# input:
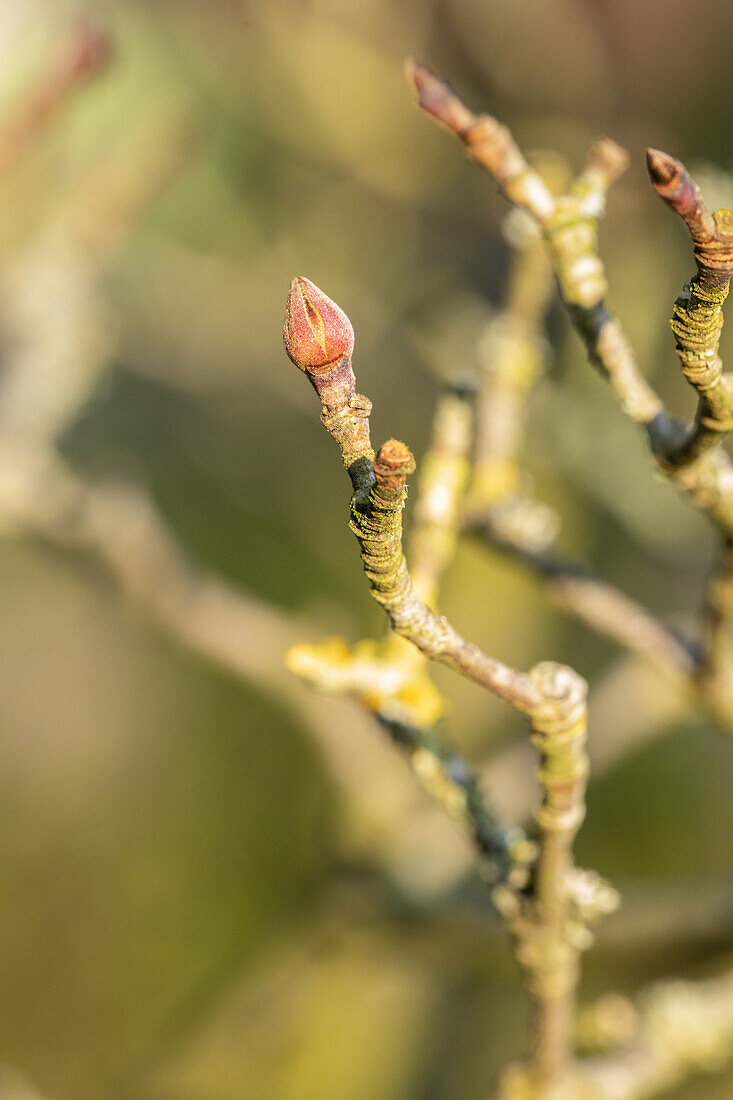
<point x="216" y="886"/>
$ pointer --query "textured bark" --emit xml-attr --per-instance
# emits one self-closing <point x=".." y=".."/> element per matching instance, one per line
<point x="686" y="454"/>
<point x="698" y="312"/>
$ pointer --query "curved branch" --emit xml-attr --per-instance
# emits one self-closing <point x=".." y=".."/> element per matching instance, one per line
<point x="698" y="311"/>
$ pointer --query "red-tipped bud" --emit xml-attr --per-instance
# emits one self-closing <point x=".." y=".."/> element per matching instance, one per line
<point x="316" y="332"/>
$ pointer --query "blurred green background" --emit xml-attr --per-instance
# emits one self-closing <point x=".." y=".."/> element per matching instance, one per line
<point x="217" y="887"/>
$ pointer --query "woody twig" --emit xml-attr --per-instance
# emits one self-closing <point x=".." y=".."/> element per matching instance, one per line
<point x="569" y="227"/>
<point x="389" y="677"/>
<point x="698" y="312"/>
<point x="319" y="339"/>
<point x="80" y="53"/>
<point x="498" y="508"/>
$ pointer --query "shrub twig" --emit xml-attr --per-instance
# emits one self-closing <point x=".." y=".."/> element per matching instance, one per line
<point x="698" y="311"/>
<point x="569" y="226"/>
<point x="319" y="339"/>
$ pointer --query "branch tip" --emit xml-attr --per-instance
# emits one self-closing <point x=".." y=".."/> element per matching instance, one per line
<point x="558" y="682"/>
<point x="609" y="157"/>
<point x="437" y="98"/>
<point x="675" y="185"/>
<point x="393" y="465"/>
<point x="662" y="168"/>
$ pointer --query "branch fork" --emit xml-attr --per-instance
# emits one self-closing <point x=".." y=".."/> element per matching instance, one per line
<point x="546" y="907"/>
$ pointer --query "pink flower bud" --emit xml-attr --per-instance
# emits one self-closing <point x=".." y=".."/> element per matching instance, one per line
<point x="316" y="332"/>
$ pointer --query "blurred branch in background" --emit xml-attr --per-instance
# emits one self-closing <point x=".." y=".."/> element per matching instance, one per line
<point x="58" y="331"/>
<point x="81" y="52"/>
<point x="60" y="337"/>
<point x="677" y="1029"/>
<point x="15" y="1087"/>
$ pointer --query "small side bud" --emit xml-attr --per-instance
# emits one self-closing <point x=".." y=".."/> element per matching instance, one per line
<point x="724" y="221"/>
<point x="316" y="333"/>
<point x="393" y="465"/>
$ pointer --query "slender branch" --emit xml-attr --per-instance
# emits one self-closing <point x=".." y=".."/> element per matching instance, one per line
<point x="504" y="851"/>
<point x="569" y="227"/>
<point x="571" y="235"/>
<point x="319" y="339"/>
<point x="399" y="696"/>
<point x="389" y="677"/>
<point x="440" y="489"/>
<point x="379" y="497"/>
<point x="681" y="1028"/>
<point x="389" y="684"/>
<point x="513" y="350"/>
<point x="698" y="311"/>
<point x="55" y="321"/>
<point x="715" y="668"/>
<point x="696" y="324"/>
<point x="378" y="528"/>
<point x="548" y="944"/>
<point x="488" y="142"/>
<point x="513" y="355"/>
<point x="564" y="768"/>
<point x="605" y="609"/>
<point x="81" y="53"/>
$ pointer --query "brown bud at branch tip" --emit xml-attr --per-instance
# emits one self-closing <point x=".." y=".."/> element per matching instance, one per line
<point x="673" y="183"/>
<point x="438" y="99"/>
<point x="609" y="158"/>
<point x="661" y="166"/>
<point x="316" y="332"/>
<point x="393" y="465"/>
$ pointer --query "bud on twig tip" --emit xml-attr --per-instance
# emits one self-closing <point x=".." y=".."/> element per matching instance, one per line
<point x="430" y="90"/>
<point x="316" y="332"/>
<point x="415" y="73"/>
<point x="393" y="465"/>
<point x="437" y="98"/>
<point x="610" y="156"/>
<point x="661" y="166"/>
